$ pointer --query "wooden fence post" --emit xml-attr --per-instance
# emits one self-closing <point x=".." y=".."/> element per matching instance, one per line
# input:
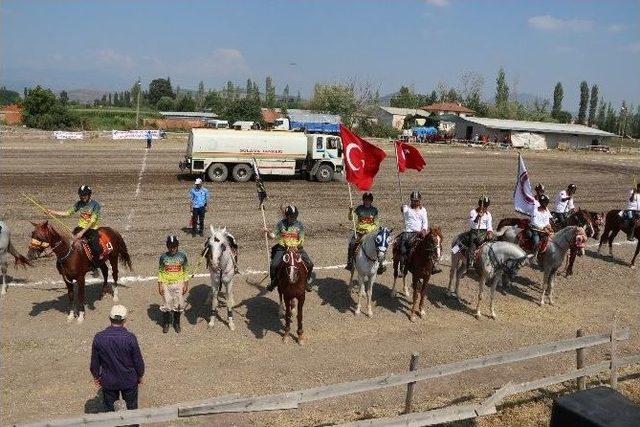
<point x="580" y="382"/>
<point x="613" y="379"/>
<point x="408" y="403"/>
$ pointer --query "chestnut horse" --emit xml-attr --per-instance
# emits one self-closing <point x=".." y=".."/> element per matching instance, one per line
<point x="73" y="263"/>
<point x="613" y="224"/>
<point x="291" y="278"/>
<point x="421" y="259"/>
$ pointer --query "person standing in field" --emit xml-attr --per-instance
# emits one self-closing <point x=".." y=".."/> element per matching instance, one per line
<point x="199" y="198"/>
<point x="149" y="139"/>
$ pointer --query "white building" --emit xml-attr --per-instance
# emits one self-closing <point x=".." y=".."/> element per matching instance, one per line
<point x="394" y="116"/>
<point x="534" y="135"/>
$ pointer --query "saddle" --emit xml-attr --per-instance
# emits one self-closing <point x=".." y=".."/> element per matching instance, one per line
<point x="527" y="244"/>
<point x="105" y="245"/>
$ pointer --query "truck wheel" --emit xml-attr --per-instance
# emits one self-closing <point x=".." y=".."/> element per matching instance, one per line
<point x="324" y="173"/>
<point x="241" y="173"/>
<point x="218" y="172"/>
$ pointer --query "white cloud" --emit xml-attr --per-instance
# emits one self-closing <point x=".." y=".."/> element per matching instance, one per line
<point x="550" y="23"/>
<point x="631" y="47"/>
<point x="438" y="3"/>
<point x="111" y="57"/>
<point x="223" y="61"/>
<point x="616" y="28"/>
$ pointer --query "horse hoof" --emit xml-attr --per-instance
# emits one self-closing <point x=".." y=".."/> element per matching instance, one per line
<point x="632" y="266"/>
<point x="413" y="318"/>
<point x="370" y="313"/>
<point x="232" y="325"/>
<point x="115" y="298"/>
<point x="70" y="317"/>
<point x="357" y="312"/>
<point x="478" y="315"/>
<point x="422" y="313"/>
<point x="301" y="339"/>
<point x="493" y="316"/>
<point x="80" y="317"/>
<point x="211" y="324"/>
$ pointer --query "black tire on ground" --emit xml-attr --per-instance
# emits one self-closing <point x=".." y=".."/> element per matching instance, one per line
<point x="324" y="173"/>
<point x="241" y="172"/>
<point x="217" y="172"/>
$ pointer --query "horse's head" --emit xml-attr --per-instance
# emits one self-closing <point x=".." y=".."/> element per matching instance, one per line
<point x="42" y="237"/>
<point x="597" y="218"/>
<point x="292" y="261"/>
<point x="436" y="235"/>
<point x="382" y="242"/>
<point x="579" y="240"/>
<point x="583" y="219"/>
<point x="218" y="245"/>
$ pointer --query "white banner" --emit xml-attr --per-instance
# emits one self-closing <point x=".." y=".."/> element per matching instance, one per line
<point x="523" y="200"/>
<point x="60" y="134"/>
<point x="134" y="134"/>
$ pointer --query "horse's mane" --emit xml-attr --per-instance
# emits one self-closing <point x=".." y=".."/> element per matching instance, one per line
<point x="567" y="233"/>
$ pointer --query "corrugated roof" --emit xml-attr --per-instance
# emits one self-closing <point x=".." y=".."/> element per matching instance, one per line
<point x="448" y="106"/>
<point x="405" y="111"/>
<point x="543" y="127"/>
<point x="306" y="116"/>
<point x="190" y="114"/>
<point x="270" y="115"/>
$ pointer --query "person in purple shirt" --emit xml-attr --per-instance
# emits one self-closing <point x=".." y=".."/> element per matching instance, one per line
<point x="116" y="362"/>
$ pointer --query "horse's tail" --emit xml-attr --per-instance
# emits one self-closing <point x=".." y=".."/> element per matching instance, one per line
<point x="19" y="259"/>
<point x="123" y="253"/>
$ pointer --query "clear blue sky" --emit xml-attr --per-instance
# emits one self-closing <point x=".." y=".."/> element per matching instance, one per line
<point x="107" y="44"/>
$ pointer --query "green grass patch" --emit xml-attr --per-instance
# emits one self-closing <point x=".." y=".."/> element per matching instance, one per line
<point x="111" y="118"/>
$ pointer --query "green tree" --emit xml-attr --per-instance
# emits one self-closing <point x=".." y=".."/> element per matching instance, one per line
<point x="103" y="101"/>
<point x="8" y="96"/>
<point x="228" y="91"/>
<point x="166" y="103"/>
<point x="564" y="117"/>
<point x="558" y="94"/>
<point x="116" y="99"/>
<point x="200" y="96"/>
<point x="502" y="89"/>
<point x="404" y="98"/>
<point x="214" y="102"/>
<point x="433" y="98"/>
<point x="64" y="97"/>
<point x="285" y="97"/>
<point x="256" y="93"/>
<point x="243" y="109"/>
<point x="109" y="101"/>
<point x="602" y="114"/>
<point x="186" y="103"/>
<point x="593" y="105"/>
<point x="335" y="99"/>
<point x="127" y="98"/>
<point x="452" y="95"/>
<point x="159" y="88"/>
<point x="269" y="93"/>
<point x="584" y="103"/>
<point x="249" y="89"/>
<point x="25" y="92"/>
<point x="42" y="110"/>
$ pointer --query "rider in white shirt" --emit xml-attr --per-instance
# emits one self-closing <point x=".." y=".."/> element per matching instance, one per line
<point x="540" y="225"/>
<point x="416" y="222"/>
<point x="564" y="204"/>
<point x="480" y="228"/>
<point x="539" y="192"/>
<point x="632" y="211"/>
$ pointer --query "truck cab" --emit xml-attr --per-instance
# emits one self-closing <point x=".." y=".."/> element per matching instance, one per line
<point x="324" y="156"/>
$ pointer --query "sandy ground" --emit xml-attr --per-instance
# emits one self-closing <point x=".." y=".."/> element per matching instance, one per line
<point x="45" y="360"/>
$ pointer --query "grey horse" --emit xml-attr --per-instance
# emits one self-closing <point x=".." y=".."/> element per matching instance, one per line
<point x="552" y="258"/>
<point x="7" y="248"/>
<point x="222" y="269"/>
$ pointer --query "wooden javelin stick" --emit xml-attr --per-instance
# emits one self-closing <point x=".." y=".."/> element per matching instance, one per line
<point x="353" y="218"/>
<point x="44" y="210"/>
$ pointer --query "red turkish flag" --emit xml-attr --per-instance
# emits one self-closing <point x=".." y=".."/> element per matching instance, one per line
<point x="408" y="157"/>
<point x="361" y="159"/>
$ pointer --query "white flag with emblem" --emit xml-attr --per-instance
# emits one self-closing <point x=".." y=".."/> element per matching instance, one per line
<point x="523" y="199"/>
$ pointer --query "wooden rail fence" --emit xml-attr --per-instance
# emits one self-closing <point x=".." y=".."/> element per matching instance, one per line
<point x="291" y="400"/>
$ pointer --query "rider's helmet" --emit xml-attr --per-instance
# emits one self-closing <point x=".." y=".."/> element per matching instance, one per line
<point x="544" y="200"/>
<point x="172" y="241"/>
<point x="291" y="211"/>
<point x="484" y="201"/>
<point x="84" y="190"/>
<point x="540" y="188"/>
<point x="572" y="187"/>
<point x="415" y="196"/>
<point x="367" y="196"/>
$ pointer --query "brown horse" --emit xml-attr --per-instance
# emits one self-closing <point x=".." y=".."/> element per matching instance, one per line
<point x="589" y="220"/>
<point x="73" y="263"/>
<point x="291" y="279"/>
<point x="613" y="224"/>
<point x="423" y="256"/>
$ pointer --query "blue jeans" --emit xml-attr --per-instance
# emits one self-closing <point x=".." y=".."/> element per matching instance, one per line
<point x="197" y="219"/>
<point x="130" y="396"/>
<point x="535" y="237"/>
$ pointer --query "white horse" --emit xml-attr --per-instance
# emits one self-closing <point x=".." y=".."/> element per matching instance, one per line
<point x="369" y="257"/>
<point x="7" y="248"/>
<point x="220" y="261"/>
<point x="552" y="258"/>
<point x="496" y="260"/>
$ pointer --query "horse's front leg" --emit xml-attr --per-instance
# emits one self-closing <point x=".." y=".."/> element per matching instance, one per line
<point x="415" y="282"/>
<point x="215" y="288"/>
<point x="72" y="313"/>
<point x="494" y="283"/>
<point x="281" y="309"/>
<point x="572" y="258"/>
<point x="81" y="299"/>
<point x="404" y="284"/>
<point x="230" y="304"/>
<point x="635" y="255"/>
<point x="300" y="330"/>
<point x="481" y="283"/>
<point x="287" y="318"/>
<point x="423" y="293"/>
<point x="369" y="289"/>
<point x="114" y="273"/>
<point x="360" y="293"/>
<point x="4" y="282"/>
<point x="105" y="285"/>
<point x="551" y="280"/>
<point x="545" y="285"/>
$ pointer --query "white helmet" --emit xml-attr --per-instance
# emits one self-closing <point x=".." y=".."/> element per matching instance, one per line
<point x="198" y="181"/>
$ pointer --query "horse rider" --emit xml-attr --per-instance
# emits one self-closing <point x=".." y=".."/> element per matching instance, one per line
<point x="289" y="233"/>
<point x="564" y="205"/>
<point x="540" y="225"/>
<point x="367" y="221"/>
<point x="416" y="222"/>
<point x="199" y="198"/>
<point x="632" y="211"/>
<point x="173" y="283"/>
<point x="89" y="212"/>
<point x="539" y="191"/>
<point x="480" y="228"/>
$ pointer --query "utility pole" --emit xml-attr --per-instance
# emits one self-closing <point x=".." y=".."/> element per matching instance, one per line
<point x="138" y="103"/>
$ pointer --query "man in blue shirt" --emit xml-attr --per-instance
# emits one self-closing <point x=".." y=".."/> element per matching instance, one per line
<point x="116" y="361"/>
<point x="199" y="199"/>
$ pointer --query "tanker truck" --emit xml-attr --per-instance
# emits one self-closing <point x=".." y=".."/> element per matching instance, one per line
<point x="219" y="154"/>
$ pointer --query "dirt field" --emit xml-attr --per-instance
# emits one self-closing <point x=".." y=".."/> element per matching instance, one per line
<point x="45" y="360"/>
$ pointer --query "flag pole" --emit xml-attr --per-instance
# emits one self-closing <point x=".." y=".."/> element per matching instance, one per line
<point x="261" y="190"/>
<point x="353" y="218"/>
<point x="395" y="147"/>
<point x="266" y="239"/>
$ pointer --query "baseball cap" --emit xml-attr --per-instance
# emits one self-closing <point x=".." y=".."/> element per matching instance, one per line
<point x="198" y="181"/>
<point x="118" y="312"/>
